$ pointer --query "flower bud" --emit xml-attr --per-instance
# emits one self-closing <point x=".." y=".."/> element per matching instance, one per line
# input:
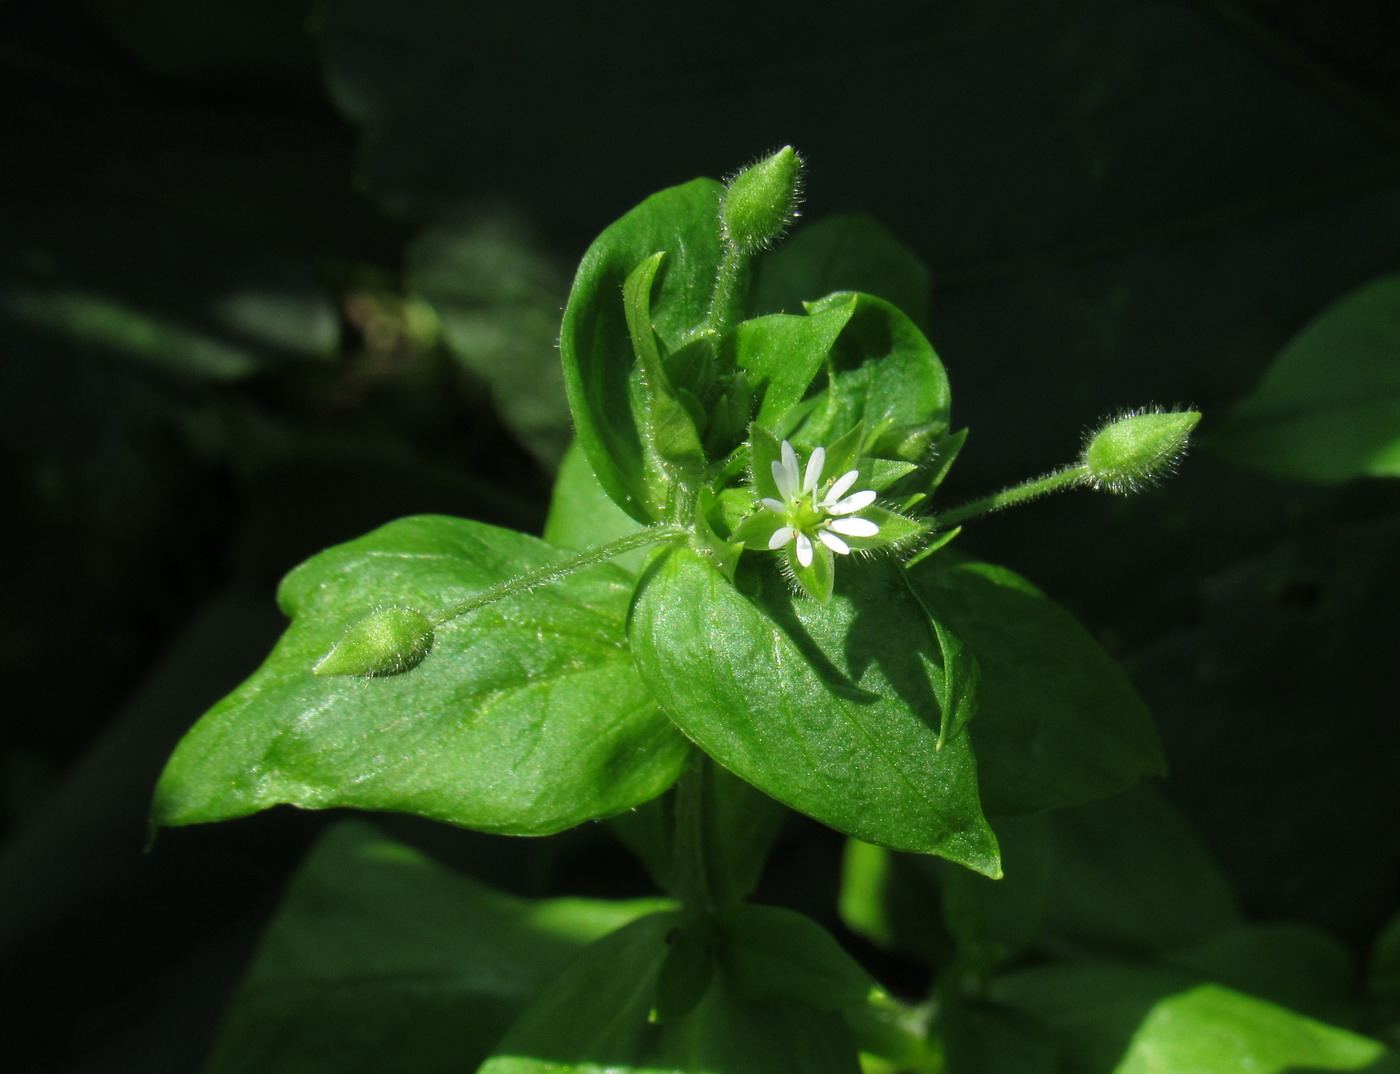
<point x="385" y="642"/>
<point x="761" y="201"/>
<point x="1137" y="449"/>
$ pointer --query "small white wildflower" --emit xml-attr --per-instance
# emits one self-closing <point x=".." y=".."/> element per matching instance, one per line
<point x="809" y="514"/>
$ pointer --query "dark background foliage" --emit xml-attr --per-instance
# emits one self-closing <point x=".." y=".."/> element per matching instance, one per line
<point x="272" y="273"/>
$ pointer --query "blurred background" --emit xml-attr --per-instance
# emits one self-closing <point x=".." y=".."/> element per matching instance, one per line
<point x="273" y="272"/>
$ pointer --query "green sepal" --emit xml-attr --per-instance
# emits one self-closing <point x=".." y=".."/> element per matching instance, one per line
<point x="817" y="578"/>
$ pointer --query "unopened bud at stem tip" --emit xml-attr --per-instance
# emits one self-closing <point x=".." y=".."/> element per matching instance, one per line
<point x="1137" y="449"/>
<point x="761" y="201"/>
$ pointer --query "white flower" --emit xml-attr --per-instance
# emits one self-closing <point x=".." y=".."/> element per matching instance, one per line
<point x="809" y="514"/>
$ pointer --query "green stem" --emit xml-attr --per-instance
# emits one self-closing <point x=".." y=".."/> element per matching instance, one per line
<point x="1069" y="477"/>
<point x="726" y="293"/>
<point x="691" y="872"/>
<point x="523" y="583"/>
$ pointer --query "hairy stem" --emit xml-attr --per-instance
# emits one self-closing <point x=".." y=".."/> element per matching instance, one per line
<point x="1069" y="477"/>
<point x="523" y="583"/>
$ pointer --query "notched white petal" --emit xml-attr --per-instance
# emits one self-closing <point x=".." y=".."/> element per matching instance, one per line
<point x="776" y="506"/>
<point x="781" y="536"/>
<point x="785" y="480"/>
<point x="804" y="550"/>
<point x="840" y="547"/>
<point x="814" y="469"/>
<point x="852" y="503"/>
<point x="854" y="527"/>
<point x="839" y="487"/>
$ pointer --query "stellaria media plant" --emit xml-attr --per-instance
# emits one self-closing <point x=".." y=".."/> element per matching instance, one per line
<point x="744" y="602"/>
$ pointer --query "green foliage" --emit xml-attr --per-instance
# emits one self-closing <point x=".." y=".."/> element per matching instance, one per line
<point x="1328" y="408"/>
<point x="802" y="640"/>
<point x="381" y="960"/>
<point x="528" y="717"/>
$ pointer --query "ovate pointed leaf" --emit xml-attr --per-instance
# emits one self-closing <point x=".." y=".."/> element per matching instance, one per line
<point x="526" y="716"/>
<point x="830" y="708"/>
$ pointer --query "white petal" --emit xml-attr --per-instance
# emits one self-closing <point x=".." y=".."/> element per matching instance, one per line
<point x="814" y="469"/>
<point x="776" y="506"/>
<point x="840" y="547"/>
<point x="785" y="472"/>
<point x="781" y="536"/>
<point x="851" y="504"/>
<point x="842" y="483"/>
<point x="804" y="550"/>
<point x="854" y="527"/>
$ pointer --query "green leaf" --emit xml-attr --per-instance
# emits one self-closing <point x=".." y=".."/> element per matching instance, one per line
<point x="669" y="438"/>
<point x="774" y="953"/>
<point x="1134" y="1020"/>
<point x="1328" y="408"/>
<point x="1057" y="722"/>
<point x="596" y="345"/>
<point x="380" y="960"/>
<point x="782" y="353"/>
<point x="526" y="718"/>
<point x="886" y="375"/>
<point x="1383" y="976"/>
<point x="811" y="703"/>
<point x="842" y="253"/>
<point x="583" y="516"/>
<point x="1296" y="966"/>
<point x="593" y="1019"/>
<point x="1126" y="875"/>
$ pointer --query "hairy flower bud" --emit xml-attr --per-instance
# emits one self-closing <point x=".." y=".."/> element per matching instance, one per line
<point x="761" y="201"/>
<point x="1137" y="449"/>
<point x="385" y="642"/>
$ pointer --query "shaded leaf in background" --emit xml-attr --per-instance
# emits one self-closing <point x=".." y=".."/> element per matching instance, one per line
<point x="842" y="253"/>
<point x="380" y="960"/>
<point x="1124" y="876"/>
<point x="1328" y="409"/>
<point x="593" y="1018"/>
<point x="526" y="718"/>
<point x="1296" y="966"/>
<point x="1057" y="720"/>
<point x="1112" y="1018"/>
<point x="497" y="296"/>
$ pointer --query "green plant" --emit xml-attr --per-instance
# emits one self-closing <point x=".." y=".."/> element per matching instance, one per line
<point x="745" y="599"/>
